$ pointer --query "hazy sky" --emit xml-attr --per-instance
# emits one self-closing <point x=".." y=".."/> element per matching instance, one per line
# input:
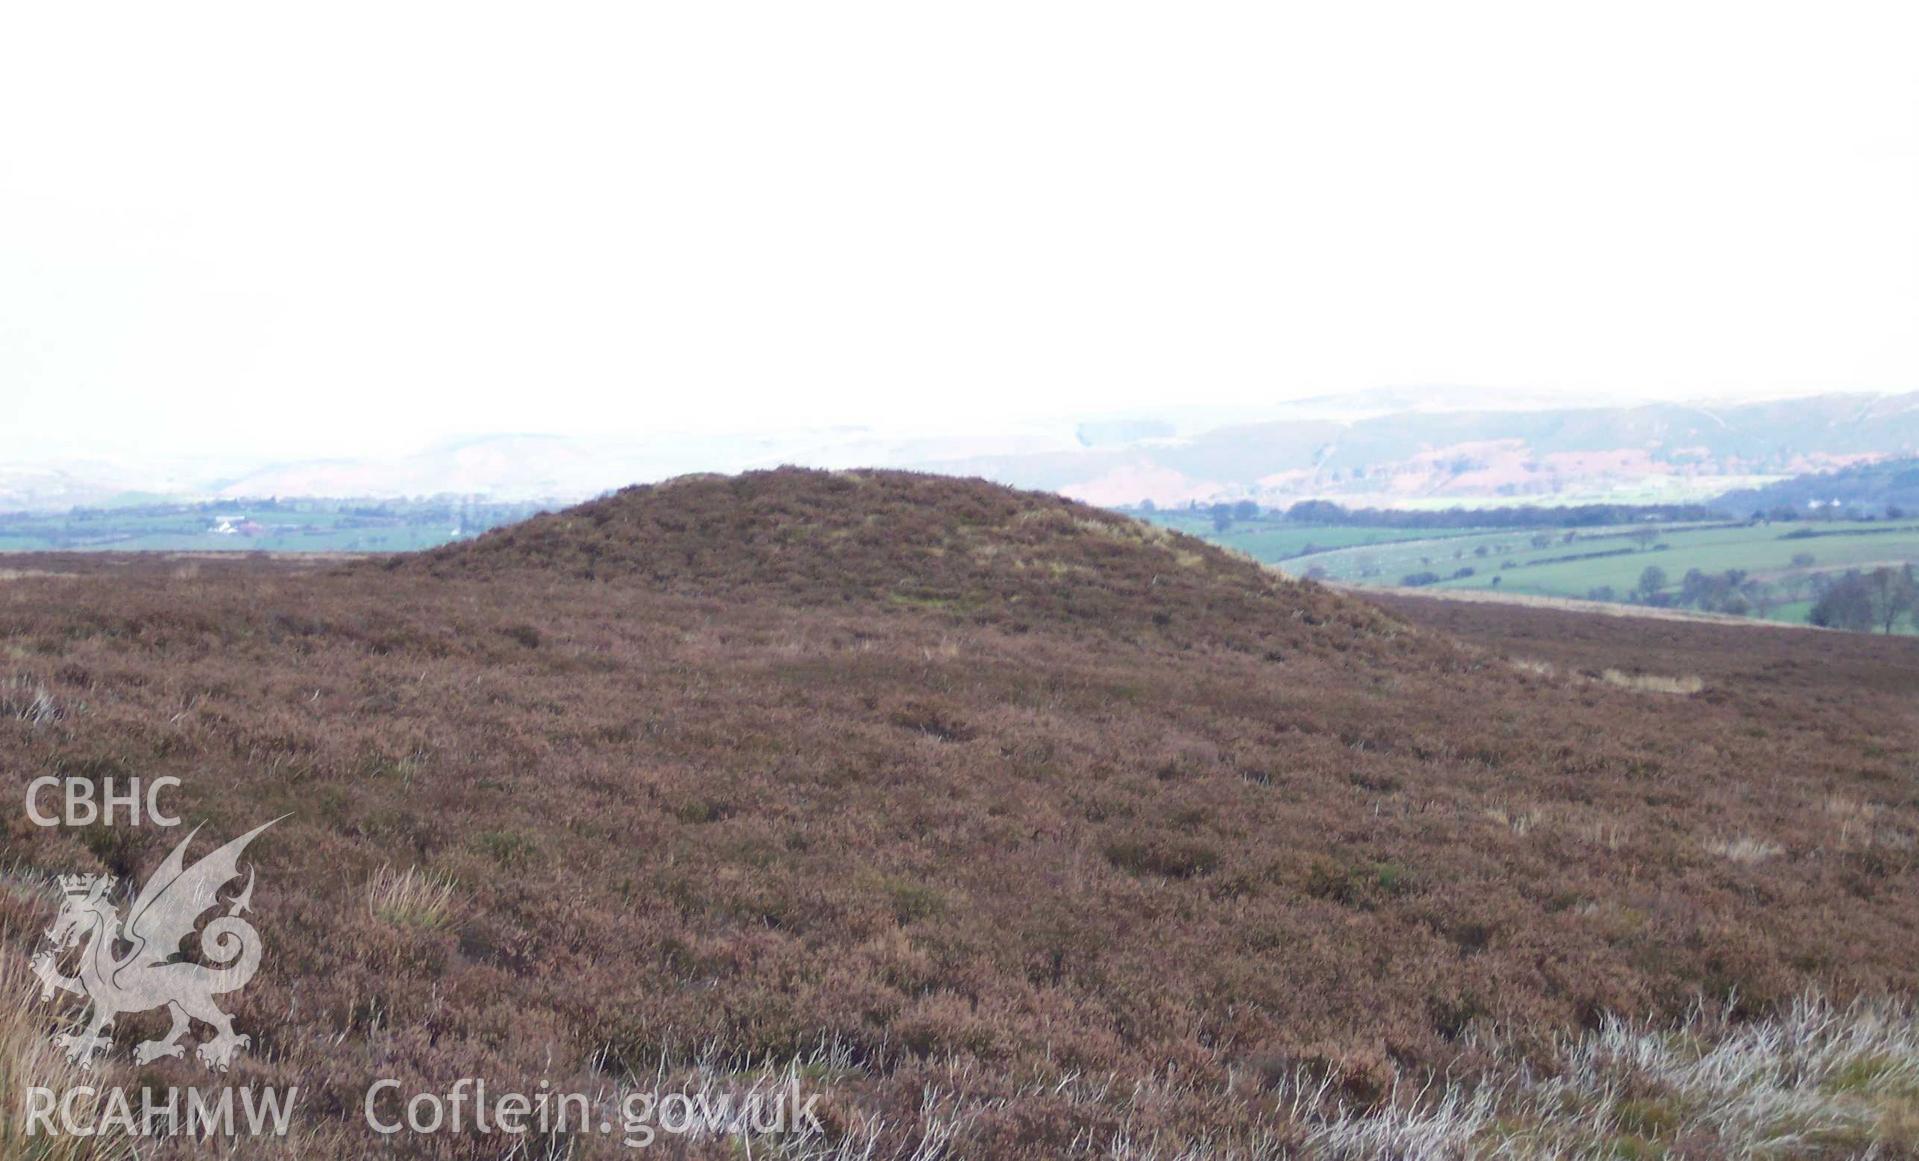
<point x="294" y="229"/>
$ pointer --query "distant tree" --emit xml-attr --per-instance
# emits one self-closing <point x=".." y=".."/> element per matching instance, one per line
<point x="1643" y="537"/>
<point x="1415" y="579"/>
<point x="1803" y="559"/>
<point x="1845" y="603"/>
<point x="1602" y="593"/>
<point x="1542" y="539"/>
<point x="1245" y="510"/>
<point x="1692" y="586"/>
<point x="1895" y="512"/>
<point x="1652" y="578"/>
<point x="1147" y="505"/>
<point x="1316" y="512"/>
<point x="1892" y="593"/>
<point x="1724" y="592"/>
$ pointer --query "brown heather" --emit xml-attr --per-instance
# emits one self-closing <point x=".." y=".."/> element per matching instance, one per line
<point x="1025" y="830"/>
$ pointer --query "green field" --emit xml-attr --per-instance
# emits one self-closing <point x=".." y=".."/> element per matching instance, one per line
<point x="1604" y="563"/>
<point x="1760" y="551"/>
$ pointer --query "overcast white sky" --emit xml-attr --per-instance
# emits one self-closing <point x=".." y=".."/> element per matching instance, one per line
<point x="348" y="228"/>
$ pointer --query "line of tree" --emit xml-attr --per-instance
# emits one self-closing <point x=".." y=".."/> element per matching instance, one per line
<point x="1526" y="516"/>
<point x="1866" y="602"/>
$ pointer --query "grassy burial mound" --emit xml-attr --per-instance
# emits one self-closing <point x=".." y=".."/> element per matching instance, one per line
<point x="904" y="542"/>
<point x="1025" y="830"/>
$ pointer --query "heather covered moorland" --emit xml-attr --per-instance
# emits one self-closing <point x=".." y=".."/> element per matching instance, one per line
<point x="1016" y="828"/>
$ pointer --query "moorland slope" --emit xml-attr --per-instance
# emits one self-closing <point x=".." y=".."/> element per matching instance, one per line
<point x="1037" y="831"/>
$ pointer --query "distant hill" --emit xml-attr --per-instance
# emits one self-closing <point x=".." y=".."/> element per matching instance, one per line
<point x="1430" y="448"/>
<point x="1655" y="452"/>
<point x="1869" y="488"/>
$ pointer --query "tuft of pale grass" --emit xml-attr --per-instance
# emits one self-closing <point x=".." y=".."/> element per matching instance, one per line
<point x="1814" y="1081"/>
<point x="1636" y="682"/>
<point x="28" y="883"/>
<point x="1652" y="682"/>
<point x="1746" y="850"/>
<point x="1849" y="810"/>
<point x="1863" y="824"/>
<point x="1603" y="834"/>
<point x="26" y="700"/>
<point x="1520" y="822"/>
<point x="29" y="1059"/>
<point x="410" y="898"/>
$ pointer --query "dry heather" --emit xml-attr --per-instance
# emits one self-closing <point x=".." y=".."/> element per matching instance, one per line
<point x="1019" y="830"/>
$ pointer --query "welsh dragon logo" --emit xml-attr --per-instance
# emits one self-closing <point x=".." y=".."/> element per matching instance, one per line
<point x="149" y="974"/>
